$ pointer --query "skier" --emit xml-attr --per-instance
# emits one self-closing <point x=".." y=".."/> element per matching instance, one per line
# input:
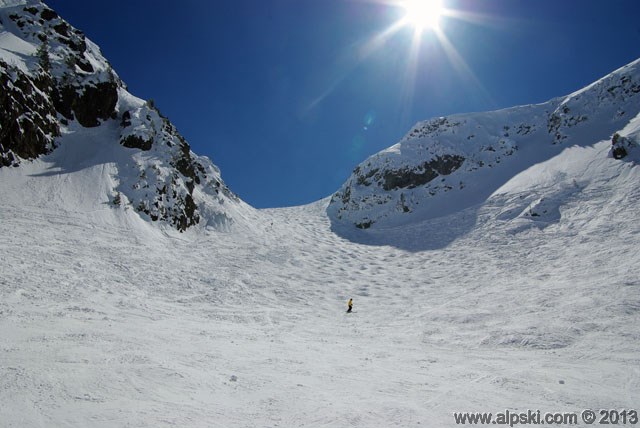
<point x="350" y="304"/>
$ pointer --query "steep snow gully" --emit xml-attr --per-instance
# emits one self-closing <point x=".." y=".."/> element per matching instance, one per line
<point x="131" y="325"/>
<point x="519" y="289"/>
<point x="108" y="320"/>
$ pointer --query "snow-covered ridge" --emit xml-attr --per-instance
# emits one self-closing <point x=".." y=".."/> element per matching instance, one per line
<point x="14" y="3"/>
<point x="446" y="164"/>
<point x="56" y="83"/>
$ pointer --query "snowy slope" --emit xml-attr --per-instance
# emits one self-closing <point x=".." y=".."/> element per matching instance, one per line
<point x="524" y="295"/>
<point x="118" y="324"/>
<point x="66" y="114"/>
<point x="447" y="164"/>
<point x="110" y="326"/>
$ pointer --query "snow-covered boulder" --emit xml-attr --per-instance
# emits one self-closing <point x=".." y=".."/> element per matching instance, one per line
<point x="621" y="146"/>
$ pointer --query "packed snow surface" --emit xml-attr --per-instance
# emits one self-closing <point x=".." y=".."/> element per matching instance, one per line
<point x="108" y="320"/>
<point x="525" y="295"/>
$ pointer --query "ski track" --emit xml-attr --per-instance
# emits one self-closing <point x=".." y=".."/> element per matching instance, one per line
<point x="525" y="295"/>
<point x="125" y="326"/>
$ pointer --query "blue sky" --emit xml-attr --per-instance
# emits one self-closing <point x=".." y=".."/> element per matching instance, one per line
<point x="288" y="96"/>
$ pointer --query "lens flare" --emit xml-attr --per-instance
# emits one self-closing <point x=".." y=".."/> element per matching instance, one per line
<point x="428" y="19"/>
<point x="423" y="14"/>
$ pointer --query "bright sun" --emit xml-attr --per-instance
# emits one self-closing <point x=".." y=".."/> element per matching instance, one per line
<point x="423" y="14"/>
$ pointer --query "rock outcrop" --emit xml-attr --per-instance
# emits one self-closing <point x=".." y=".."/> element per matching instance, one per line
<point x="54" y="79"/>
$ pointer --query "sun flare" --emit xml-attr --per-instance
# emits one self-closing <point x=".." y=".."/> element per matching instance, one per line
<point x="423" y="14"/>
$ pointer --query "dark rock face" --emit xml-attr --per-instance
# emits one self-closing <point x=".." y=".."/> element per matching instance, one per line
<point x="96" y="102"/>
<point x="126" y="119"/>
<point x="190" y="169"/>
<point x="82" y="93"/>
<point x="619" y="153"/>
<point x="135" y="142"/>
<point x="185" y="164"/>
<point x="189" y="217"/>
<point x="409" y="177"/>
<point x="182" y="215"/>
<point x="414" y="177"/>
<point x="46" y="14"/>
<point x="28" y="118"/>
<point x="89" y="103"/>
<point x="30" y="102"/>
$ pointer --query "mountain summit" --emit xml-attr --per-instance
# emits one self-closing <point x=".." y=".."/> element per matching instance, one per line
<point x="447" y="164"/>
<point x="65" y="112"/>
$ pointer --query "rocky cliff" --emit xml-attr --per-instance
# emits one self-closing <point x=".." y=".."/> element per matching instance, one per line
<point x="55" y="82"/>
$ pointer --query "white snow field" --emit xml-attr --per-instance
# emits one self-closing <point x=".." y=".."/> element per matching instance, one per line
<point x="520" y="290"/>
<point x="107" y="320"/>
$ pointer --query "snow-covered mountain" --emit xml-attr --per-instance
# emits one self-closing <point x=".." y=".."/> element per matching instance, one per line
<point x="66" y="113"/>
<point x="447" y="164"/>
<point x="500" y="271"/>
